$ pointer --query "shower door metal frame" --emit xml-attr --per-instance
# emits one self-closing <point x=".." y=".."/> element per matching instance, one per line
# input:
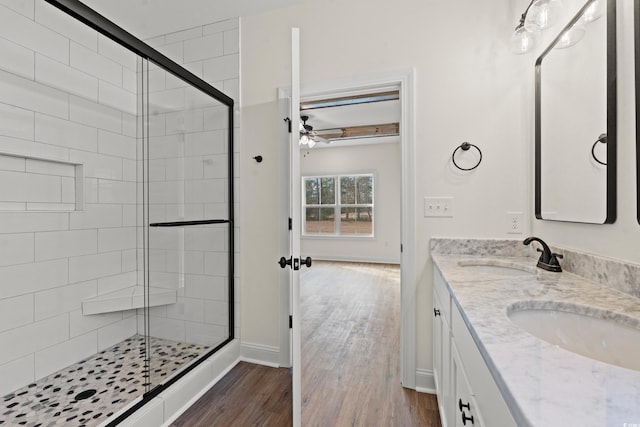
<point x="104" y="26"/>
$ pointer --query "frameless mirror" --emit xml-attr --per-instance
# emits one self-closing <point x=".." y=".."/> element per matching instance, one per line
<point x="575" y="119"/>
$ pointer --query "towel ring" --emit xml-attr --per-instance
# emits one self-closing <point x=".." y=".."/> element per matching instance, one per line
<point x="602" y="138"/>
<point x="465" y="147"/>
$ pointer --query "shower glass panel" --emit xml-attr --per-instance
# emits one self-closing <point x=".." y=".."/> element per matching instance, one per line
<point x="187" y="164"/>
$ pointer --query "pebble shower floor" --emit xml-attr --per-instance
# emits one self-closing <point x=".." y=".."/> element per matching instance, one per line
<point x="88" y="392"/>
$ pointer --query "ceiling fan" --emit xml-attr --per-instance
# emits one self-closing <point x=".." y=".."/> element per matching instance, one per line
<point x="308" y="136"/>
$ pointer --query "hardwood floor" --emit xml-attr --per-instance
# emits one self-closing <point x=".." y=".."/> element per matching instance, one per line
<point x="351" y="349"/>
<point x="350" y="358"/>
<point x="249" y="395"/>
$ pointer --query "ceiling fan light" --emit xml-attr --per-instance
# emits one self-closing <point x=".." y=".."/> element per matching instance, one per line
<point x="312" y="143"/>
<point x="304" y="139"/>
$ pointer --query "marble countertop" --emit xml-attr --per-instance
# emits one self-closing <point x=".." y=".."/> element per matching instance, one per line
<point x="545" y="385"/>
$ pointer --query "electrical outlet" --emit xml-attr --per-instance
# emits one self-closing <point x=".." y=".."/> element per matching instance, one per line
<point x="515" y="222"/>
<point x="438" y="207"/>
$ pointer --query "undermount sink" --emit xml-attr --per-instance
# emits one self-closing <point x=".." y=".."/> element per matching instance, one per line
<point x="499" y="268"/>
<point x="597" y="334"/>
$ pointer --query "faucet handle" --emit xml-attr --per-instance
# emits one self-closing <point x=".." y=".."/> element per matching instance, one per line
<point x="554" y="264"/>
<point x="554" y="259"/>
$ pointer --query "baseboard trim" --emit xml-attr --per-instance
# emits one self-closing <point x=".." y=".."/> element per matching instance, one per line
<point x="260" y="354"/>
<point x="425" y="382"/>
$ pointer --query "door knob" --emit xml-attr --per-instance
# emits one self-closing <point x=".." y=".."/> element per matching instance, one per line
<point x="284" y="262"/>
<point x="306" y="261"/>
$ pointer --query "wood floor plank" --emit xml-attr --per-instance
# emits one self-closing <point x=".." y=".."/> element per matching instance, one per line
<point x="350" y="361"/>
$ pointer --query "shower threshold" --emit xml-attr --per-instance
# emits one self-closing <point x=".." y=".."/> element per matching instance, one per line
<point x="89" y="392"/>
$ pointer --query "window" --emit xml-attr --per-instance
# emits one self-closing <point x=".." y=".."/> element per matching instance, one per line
<point x="339" y="205"/>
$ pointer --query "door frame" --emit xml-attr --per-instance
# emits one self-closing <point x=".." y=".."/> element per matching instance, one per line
<point x="404" y="81"/>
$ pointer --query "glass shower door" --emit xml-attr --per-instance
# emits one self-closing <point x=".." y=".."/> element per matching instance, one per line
<point x="187" y="223"/>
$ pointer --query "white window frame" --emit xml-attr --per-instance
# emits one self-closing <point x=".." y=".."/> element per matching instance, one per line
<point x="338" y="205"/>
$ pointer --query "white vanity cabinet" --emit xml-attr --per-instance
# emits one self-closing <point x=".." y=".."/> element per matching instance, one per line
<point x="467" y="394"/>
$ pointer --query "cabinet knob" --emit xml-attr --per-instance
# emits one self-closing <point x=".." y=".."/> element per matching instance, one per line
<point x="436" y="312"/>
<point x="461" y="406"/>
<point x="465" y="418"/>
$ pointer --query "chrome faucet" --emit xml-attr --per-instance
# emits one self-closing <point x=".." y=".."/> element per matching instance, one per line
<point x="548" y="260"/>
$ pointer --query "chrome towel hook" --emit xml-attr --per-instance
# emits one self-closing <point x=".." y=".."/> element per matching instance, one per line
<point x="465" y="146"/>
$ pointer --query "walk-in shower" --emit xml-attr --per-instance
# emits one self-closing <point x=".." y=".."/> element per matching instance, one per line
<point x="116" y="218"/>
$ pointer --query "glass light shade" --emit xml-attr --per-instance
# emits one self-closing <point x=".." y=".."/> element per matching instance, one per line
<point x="312" y="143"/>
<point x="542" y="14"/>
<point x="304" y="140"/>
<point x="522" y="41"/>
<point x="570" y="37"/>
<point x="595" y="11"/>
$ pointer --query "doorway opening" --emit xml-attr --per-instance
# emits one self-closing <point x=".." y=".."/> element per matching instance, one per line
<point x="402" y="82"/>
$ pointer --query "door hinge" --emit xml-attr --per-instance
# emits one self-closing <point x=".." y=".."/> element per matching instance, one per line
<point x="288" y="120"/>
<point x="290" y="322"/>
<point x="290" y="224"/>
<point x="401" y="248"/>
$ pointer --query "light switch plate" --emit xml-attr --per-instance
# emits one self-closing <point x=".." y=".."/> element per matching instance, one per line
<point x="438" y="207"/>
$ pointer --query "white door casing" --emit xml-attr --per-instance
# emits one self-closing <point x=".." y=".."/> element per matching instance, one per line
<point x="295" y="207"/>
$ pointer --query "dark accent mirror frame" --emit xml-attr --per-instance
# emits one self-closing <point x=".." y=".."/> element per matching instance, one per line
<point x="611" y="120"/>
<point x="637" y="64"/>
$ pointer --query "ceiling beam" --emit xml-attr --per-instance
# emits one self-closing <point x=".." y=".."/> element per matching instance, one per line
<point x="350" y="100"/>
<point x="360" y="131"/>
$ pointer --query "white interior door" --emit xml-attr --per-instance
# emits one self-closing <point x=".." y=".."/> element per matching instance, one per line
<point x="294" y="210"/>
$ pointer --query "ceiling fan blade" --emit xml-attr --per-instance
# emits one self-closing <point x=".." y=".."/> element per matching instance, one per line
<point x="318" y="138"/>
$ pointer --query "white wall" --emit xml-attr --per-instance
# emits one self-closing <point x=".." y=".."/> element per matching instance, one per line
<point x="469" y="87"/>
<point x="618" y="240"/>
<point x="65" y="94"/>
<point x="383" y="160"/>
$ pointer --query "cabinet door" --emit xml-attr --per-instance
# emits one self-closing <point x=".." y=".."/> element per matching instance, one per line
<point x="441" y="352"/>
<point x="465" y="412"/>
<point x="437" y="342"/>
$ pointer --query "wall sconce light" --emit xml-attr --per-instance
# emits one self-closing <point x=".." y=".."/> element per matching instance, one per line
<point x="539" y="15"/>
<point x="542" y="14"/>
<point x="594" y="12"/>
<point x="572" y="36"/>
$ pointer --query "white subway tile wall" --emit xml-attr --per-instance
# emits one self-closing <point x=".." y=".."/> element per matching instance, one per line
<point x="63" y="101"/>
<point x="69" y="95"/>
